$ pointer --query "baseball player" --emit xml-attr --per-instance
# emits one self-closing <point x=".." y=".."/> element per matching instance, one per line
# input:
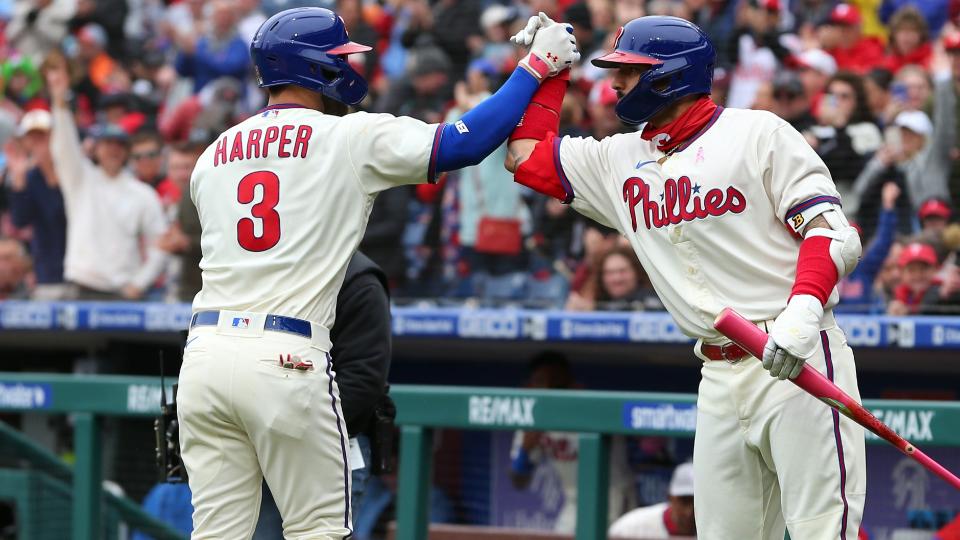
<point x="283" y="200"/>
<point x="723" y="207"/>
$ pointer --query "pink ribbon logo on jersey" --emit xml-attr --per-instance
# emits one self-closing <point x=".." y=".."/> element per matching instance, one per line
<point x="681" y="202"/>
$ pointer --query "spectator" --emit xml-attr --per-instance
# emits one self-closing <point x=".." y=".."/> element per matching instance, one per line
<point x="909" y="40"/>
<point x="353" y="13"/>
<point x="146" y="156"/>
<point x="845" y="134"/>
<point x="790" y="102"/>
<point x="951" y="45"/>
<point x="807" y="13"/>
<point x="857" y="292"/>
<point x="408" y="17"/>
<point x="758" y="48"/>
<point x="21" y="83"/>
<point x="623" y="285"/>
<point x="219" y="52"/>
<point x="494" y="220"/>
<point x="38" y="26"/>
<point x="99" y="67"/>
<point x="877" y="85"/>
<point x="455" y="29"/>
<point x="14" y="270"/>
<point x="250" y="17"/>
<point x="560" y="450"/>
<point x="922" y="155"/>
<point x="35" y="201"/>
<point x="890" y="275"/>
<point x="674" y="517"/>
<point x="920" y="291"/>
<point x="842" y="36"/>
<point x="109" y="16"/>
<point x="602" y="103"/>
<point x="421" y="93"/>
<point x="205" y="114"/>
<point x="910" y="91"/>
<point x="864" y="200"/>
<point x="578" y="15"/>
<point x="497" y="50"/>
<point x="934" y="215"/>
<point x="815" y="67"/>
<point x="183" y="236"/>
<point x="928" y="169"/>
<point x="110" y="213"/>
<point x="597" y="241"/>
<point x="933" y="12"/>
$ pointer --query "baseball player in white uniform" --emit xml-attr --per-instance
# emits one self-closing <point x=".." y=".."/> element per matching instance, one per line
<point x="724" y="207"/>
<point x="673" y="517"/>
<point x="283" y="200"/>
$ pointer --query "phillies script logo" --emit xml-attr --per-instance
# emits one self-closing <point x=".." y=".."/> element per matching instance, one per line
<point x="680" y="202"/>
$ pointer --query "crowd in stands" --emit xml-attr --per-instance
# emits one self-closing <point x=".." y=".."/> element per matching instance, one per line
<point x="106" y="105"/>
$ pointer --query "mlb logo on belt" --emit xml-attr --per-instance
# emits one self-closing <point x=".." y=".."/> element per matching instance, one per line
<point x="240" y="322"/>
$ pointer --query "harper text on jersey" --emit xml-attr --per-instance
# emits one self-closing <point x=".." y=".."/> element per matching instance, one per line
<point x="256" y="144"/>
<point x="681" y="202"/>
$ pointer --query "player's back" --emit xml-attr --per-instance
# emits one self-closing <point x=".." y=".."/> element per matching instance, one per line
<point x="281" y="212"/>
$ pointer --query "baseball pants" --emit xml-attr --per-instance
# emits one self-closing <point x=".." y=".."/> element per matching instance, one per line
<point x="769" y="456"/>
<point x="245" y="418"/>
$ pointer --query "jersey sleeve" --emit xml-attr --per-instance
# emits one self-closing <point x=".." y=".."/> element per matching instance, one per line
<point x="796" y="179"/>
<point x="387" y="151"/>
<point x="582" y="168"/>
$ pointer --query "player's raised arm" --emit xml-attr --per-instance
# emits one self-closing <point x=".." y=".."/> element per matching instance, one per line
<point x="387" y="151"/>
<point x="481" y="130"/>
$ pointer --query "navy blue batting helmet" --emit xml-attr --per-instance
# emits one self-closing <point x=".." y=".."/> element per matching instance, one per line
<point x="681" y="57"/>
<point x="308" y="47"/>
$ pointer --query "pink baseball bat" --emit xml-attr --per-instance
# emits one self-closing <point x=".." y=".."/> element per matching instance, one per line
<point x="753" y="340"/>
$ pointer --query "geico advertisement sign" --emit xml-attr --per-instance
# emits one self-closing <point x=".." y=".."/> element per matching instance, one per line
<point x="861" y="332"/>
<point x="490" y="324"/>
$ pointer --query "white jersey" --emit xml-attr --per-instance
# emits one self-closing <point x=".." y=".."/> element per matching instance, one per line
<point x="284" y="197"/>
<point x="560" y="450"/>
<point x="646" y="523"/>
<point x="716" y="224"/>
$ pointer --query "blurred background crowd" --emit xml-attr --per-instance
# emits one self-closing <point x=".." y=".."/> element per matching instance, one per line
<point x="106" y="105"/>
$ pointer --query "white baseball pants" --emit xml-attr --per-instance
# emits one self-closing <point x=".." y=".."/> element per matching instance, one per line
<point x="769" y="456"/>
<point x="243" y="417"/>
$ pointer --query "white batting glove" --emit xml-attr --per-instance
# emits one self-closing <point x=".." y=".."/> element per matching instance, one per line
<point x="552" y="47"/>
<point x="794" y="337"/>
<point x="525" y="37"/>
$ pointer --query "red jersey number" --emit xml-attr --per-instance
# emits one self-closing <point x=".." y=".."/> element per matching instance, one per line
<point x="263" y="210"/>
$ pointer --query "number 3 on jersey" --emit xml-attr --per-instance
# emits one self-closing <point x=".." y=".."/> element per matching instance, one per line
<point x="263" y="210"/>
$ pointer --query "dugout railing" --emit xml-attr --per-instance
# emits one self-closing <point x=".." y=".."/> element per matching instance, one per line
<point x="595" y="415"/>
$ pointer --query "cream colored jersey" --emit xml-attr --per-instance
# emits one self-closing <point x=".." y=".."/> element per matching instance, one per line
<point x="284" y="198"/>
<point x="716" y="224"/>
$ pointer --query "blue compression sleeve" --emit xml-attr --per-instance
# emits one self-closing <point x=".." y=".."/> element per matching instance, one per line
<point x="479" y="132"/>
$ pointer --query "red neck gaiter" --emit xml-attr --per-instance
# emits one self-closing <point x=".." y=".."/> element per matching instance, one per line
<point x="680" y="130"/>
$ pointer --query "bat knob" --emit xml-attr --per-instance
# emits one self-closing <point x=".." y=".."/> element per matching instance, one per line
<point x="909" y="449"/>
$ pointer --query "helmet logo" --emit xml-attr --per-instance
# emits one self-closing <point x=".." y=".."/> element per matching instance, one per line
<point x="616" y="42"/>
